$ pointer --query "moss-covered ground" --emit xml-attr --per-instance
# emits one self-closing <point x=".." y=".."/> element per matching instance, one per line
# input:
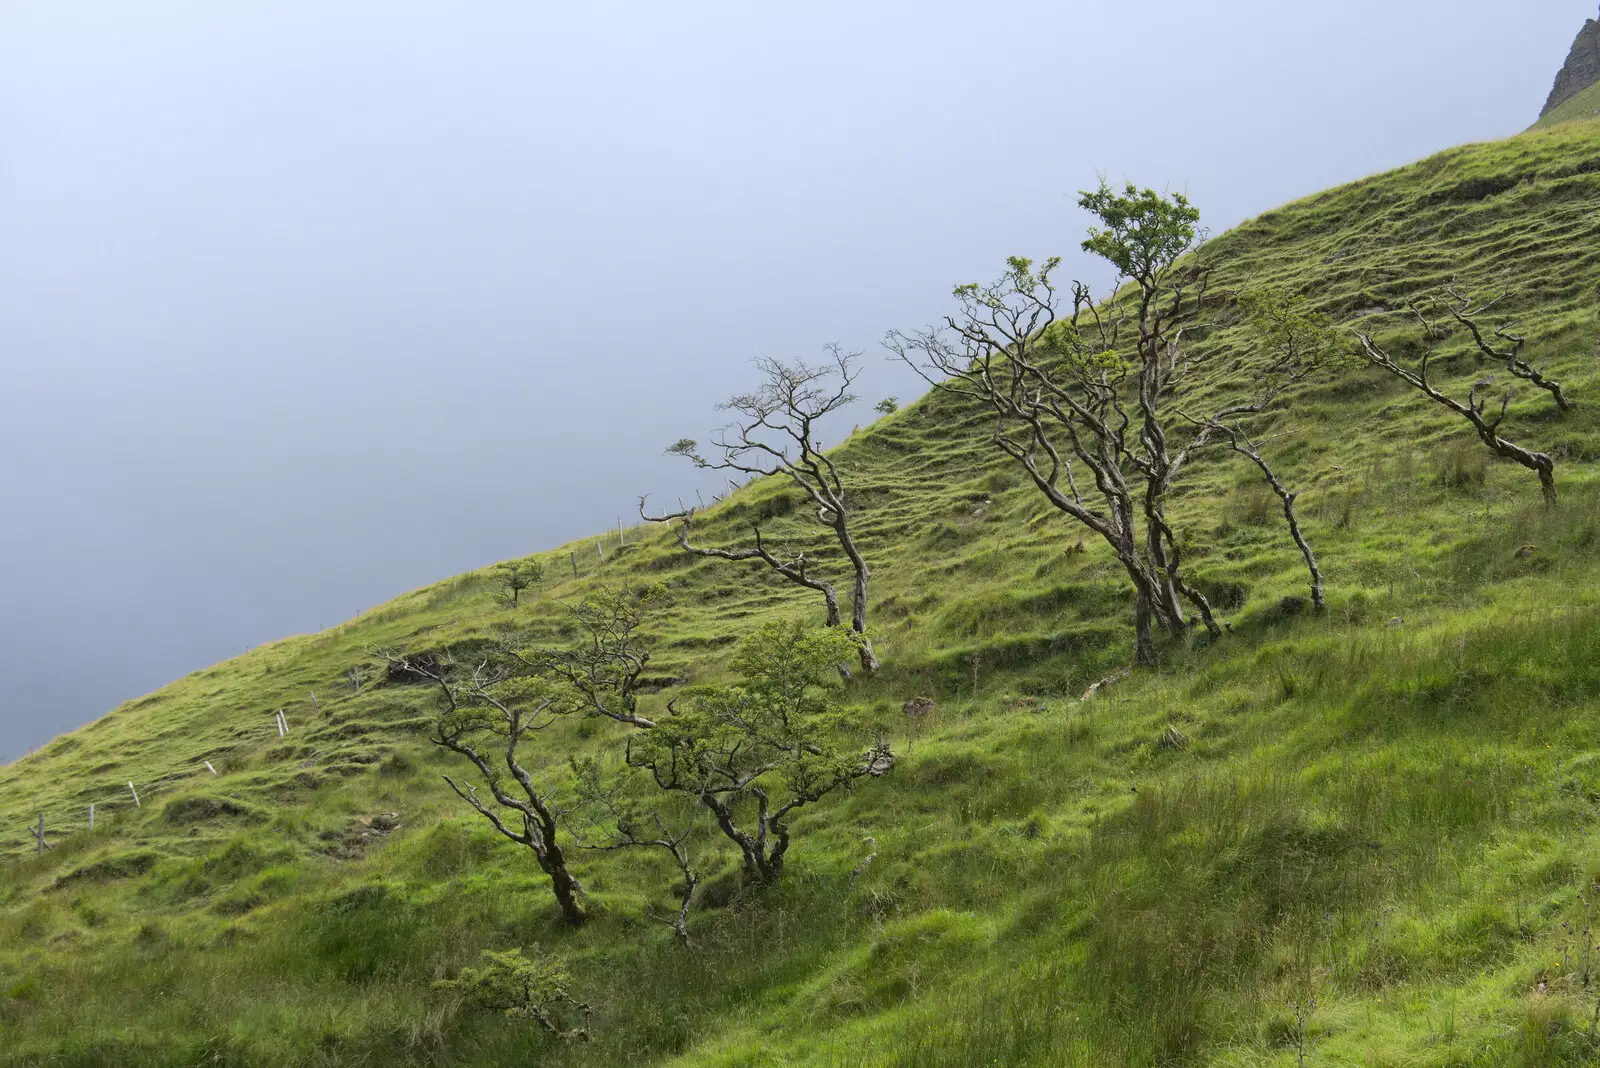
<point x="1392" y="809"/>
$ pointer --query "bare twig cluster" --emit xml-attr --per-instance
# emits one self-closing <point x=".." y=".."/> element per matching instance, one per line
<point x="1479" y="408"/>
<point x="774" y="433"/>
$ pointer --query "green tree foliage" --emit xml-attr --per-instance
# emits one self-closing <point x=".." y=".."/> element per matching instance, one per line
<point x="520" y="988"/>
<point x="516" y="577"/>
<point x="493" y="710"/>
<point x="755" y="752"/>
<point x="1095" y="390"/>
<point x="600" y="672"/>
<point x="1142" y="233"/>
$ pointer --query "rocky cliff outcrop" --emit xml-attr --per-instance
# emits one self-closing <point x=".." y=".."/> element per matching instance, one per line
<point x="1582" y="68"/>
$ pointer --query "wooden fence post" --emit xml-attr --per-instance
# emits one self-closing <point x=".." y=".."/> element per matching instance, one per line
<point x="316" y="709"/>
<point x="39" y="834"/>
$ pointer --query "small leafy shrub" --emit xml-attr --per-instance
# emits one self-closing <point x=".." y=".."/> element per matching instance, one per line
<point x="521" y="989"/>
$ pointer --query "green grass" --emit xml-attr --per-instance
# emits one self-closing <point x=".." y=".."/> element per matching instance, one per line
<point x="1391" y="808"/>
<point x="1586" y="105"/>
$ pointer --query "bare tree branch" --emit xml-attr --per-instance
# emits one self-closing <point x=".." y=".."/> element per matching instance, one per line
<point x="1463" y="310"/>
<point x="1475" y="410"/>
<point x="494" y="704"/>
<point x="604" y="821"/>
<point x="774" y="433"/>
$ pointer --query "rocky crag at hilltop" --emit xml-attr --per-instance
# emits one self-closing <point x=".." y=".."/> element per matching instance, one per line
<point x="1581" y="70"/>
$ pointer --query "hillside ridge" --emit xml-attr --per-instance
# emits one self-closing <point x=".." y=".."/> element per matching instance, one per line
<point x="1580" y="71"/>
<point x="1388" y="809"/>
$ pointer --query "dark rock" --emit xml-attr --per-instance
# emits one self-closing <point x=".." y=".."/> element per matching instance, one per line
<point x="416" y="669"/>
<point x="205" y="808"/>
<point x="1581" y="70"/>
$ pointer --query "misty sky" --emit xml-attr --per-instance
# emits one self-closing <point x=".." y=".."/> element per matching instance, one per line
<point x="303" y="305"/>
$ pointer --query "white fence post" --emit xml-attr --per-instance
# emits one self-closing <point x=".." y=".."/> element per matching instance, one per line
<point x="209" y="768"/>
<point x="91" y="815"/>
<point x="135" y="794"/>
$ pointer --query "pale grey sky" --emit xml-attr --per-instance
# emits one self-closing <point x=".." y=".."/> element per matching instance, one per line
<point x="277" y="278"/>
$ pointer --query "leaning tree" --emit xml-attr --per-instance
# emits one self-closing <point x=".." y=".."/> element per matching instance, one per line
<point x="1296" y="340"/>
<point x="774" y="433"/>
<point x="1479" y="408"/>
<point x="754" y="753"/>
<point x="493" y="709"/>
<point x="604" y="816"/>
<point x="1095" y="388"/>
<point x="489" y="712"/>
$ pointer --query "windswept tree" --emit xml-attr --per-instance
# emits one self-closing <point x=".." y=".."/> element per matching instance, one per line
<point x="602" y="671"/>
<point x="774" y="432"/>
<point x="1479" y="408"/>
<point x="1294" y="338"/>
<point x="756" y="752"/>
<point x="516" y="577"/>
<point x="489" y="712"/>
<point x="1469" y="312"/>
<point x="605" y="817"/>
<point x="1085" y="399"/>
<point x="493" y="709"/>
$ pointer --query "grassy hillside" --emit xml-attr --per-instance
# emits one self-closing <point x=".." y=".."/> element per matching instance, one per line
<point x="1390" y="809"/>
<point x="1586" y="105"/>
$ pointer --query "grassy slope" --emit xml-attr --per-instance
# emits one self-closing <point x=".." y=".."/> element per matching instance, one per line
<point x="1586" y="105"/>
<point x="1391" y="809"/>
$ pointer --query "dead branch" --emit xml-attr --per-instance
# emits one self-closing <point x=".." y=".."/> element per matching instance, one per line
<point x="1463" y="310"/>
<point x="1476" y="410"/>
